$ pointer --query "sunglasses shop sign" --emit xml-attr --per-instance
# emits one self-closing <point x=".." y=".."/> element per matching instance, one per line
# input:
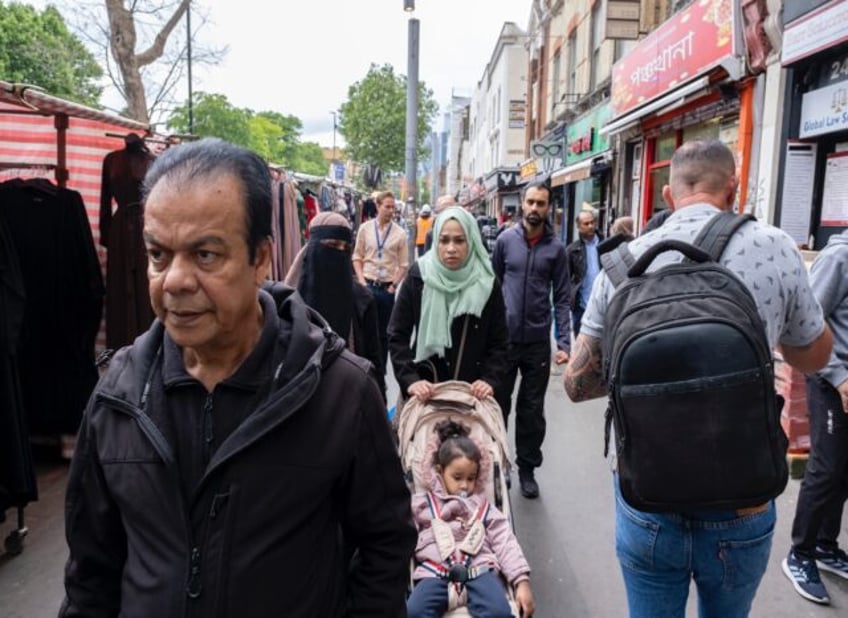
<point x="824" y="110"/>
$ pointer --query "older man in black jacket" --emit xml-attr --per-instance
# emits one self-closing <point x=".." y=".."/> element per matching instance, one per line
<point x="232" y="459"/>
<point x="583" y="264"/>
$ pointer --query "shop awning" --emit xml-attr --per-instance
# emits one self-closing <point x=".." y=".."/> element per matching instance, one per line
<point x="572" y="173"/>
<point x="38" y="101"/>
<point x="675" y="96"/>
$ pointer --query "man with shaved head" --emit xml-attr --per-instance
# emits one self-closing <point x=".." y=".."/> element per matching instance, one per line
<point x="725" y="551"/>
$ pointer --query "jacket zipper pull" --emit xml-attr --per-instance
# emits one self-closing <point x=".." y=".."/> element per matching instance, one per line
<point x="194" y="587"/>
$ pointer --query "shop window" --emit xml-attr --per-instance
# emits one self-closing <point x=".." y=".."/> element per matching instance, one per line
<point x="665" y="147"/>
<point x="659" y="178"/>
<point x="705" y="130"/>
<point x="660" y="153"/>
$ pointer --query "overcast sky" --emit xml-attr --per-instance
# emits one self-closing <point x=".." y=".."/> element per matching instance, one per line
<point x="299" y="56"/>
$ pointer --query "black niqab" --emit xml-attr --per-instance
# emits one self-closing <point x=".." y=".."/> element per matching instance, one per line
<point x="326" y="281"/>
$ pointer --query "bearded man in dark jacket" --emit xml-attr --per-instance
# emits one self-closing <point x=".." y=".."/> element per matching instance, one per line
<point x="234" y="457"/>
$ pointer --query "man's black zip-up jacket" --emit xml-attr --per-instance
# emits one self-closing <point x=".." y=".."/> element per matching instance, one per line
<point x="531" y="278"/>
<point x="309" y="477"/>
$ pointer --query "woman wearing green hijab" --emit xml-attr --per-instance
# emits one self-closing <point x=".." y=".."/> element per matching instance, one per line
<point x="448" y="321"/>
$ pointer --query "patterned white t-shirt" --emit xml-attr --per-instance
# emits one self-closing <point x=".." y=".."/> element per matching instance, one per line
<point x="764" y="257"/>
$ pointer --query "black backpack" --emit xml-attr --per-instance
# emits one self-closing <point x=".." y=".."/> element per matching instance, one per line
<point x="691" y="380"/>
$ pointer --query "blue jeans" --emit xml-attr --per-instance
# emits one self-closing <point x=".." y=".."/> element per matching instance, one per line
<point x="486" y="598"/>
<point x="659" y="553"/>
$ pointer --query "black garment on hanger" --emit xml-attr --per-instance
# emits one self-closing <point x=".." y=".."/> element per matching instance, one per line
<point x="128" y="311"/>
<point x="17" y="477"/>
<point x="64" y="299"/>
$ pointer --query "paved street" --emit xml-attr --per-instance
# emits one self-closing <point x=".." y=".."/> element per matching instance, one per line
<point x="567" y="535"/>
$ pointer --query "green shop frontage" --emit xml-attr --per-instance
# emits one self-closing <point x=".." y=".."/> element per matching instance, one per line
<point x="585" y="179"/>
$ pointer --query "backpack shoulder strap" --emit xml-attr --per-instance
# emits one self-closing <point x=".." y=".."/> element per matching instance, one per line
<point x="715" y="235"/>
<point x="616" y="263"/>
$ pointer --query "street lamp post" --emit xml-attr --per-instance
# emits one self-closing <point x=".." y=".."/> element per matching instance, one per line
<point x="188" y="58"/>
<point x="412" y="104"/>
<point x="334" y="135"/>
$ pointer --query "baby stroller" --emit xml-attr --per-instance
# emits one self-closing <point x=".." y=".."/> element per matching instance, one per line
<point x="417" y="440"/>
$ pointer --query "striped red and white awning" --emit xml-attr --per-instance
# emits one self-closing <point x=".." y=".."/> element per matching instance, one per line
<point x="30" y="146"/>
<point x="35" y="99"/>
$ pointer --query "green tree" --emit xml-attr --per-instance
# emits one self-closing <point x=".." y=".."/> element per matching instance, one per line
<point x="37" y="48"/>
<point x="286" y="140"/>
<point x="373" y="119"/>
<point x="310" y="159"/>
<point x="214" y="116"/>
<point x="424" y="190"/>
<point x="272" y="135"/>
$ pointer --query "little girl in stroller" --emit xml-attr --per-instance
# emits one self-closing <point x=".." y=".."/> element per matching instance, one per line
<point x="463" y="541"/>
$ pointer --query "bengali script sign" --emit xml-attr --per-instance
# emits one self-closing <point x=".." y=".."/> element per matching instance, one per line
<point x="689" y="44"/>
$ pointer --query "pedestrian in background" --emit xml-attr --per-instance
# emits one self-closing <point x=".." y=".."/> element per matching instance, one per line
<point x="380" y="260"/>
<point x="422" y="228"/>
<point x="821" y="500"/>
<point x="230" y="459"/>
<point x="583" y="263"/>
<point x="657" y="220"/>
<point x="621" y="231"/>
<point x="323" y="274"/>
<point x="530" y="263"/>
<point x="443" y="201"/>
<point x="452" y="304"/>
<point x="725" y="551"/>
<point x="623" y="226"/>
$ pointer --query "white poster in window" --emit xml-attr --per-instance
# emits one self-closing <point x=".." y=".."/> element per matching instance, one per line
<point x="835" y="196"/>
<point x="796" y="207"/>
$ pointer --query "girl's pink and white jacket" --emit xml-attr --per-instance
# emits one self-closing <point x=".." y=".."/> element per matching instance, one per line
<point x="499" y="548"/>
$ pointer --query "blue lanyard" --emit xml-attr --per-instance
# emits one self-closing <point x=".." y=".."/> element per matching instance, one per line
<point x="381" y="244"/>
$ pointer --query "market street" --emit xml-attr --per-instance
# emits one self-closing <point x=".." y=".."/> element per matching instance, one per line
<point x="567" y="534"/>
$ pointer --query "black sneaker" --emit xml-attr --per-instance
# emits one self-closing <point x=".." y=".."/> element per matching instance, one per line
<point x="529" y="486"/>
<point x="804" y="576"/>
<point x="834" y="561"/>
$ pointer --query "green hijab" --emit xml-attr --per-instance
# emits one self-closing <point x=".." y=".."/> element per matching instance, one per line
<point x="451" y="293"/>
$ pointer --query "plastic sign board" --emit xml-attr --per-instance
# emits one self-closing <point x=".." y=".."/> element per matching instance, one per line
<point x="691" y="43"/>
<point x="824" y="110"/>
<point x="820" y="29"/>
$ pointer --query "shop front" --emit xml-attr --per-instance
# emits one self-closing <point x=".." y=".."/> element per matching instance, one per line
<point x="684" y="81"/>
<point x="584" y="182"/>
<point x="813" y="198"/>
<point x="503" y="192"/>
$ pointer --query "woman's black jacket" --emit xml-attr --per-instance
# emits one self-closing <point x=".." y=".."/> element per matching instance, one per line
<point x="484" y="356"/>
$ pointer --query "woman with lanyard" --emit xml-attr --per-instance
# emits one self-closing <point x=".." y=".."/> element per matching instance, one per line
<point x="453" y="305"/>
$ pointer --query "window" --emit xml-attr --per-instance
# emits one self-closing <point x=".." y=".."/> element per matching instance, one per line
<point x="621" y="48"/>
<point x="555" y="86"/>
<point x="598" y="19"/>
<point x="571" y="88"/>
<point x="666" y="145"/>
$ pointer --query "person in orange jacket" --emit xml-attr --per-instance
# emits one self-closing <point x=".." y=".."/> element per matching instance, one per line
<point x="422" y="228"/>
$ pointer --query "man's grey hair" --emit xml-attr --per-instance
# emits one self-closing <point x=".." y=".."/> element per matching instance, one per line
<point x="701" y="165"/>
<point x="586" y="211"/>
